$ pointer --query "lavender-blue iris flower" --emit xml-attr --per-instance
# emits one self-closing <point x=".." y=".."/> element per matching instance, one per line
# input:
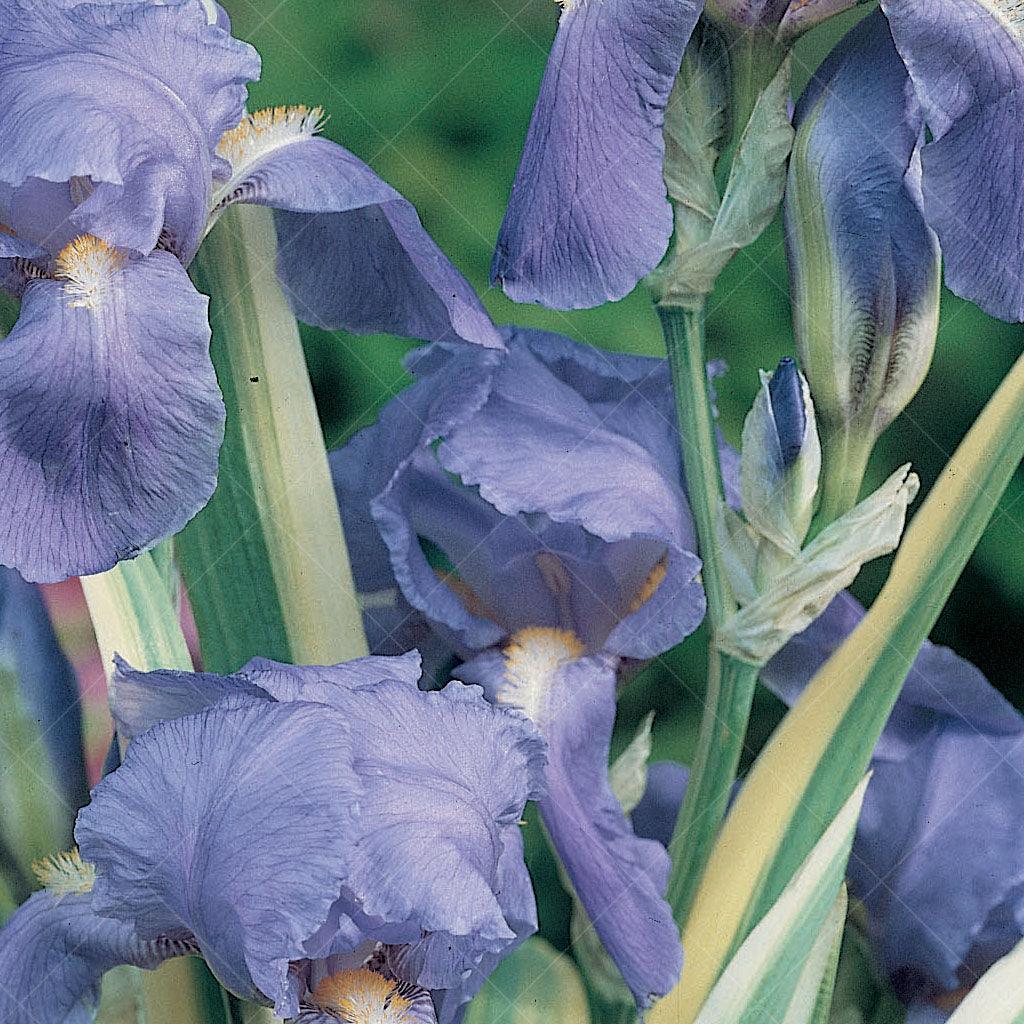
<point x="939" y="854"/>
<point x="48" y="691"/>
<point x="588" y="215"/>
<point x="555" y="501"/>
<point x="938" y="859"/>
<point x="124" y="137"/>
<point x="275" y="822"/>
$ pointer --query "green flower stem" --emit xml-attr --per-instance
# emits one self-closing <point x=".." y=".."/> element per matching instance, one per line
<point x="731" y="683"/>
<point x="845" y="456"/>
<point x="265" y="562"/>
<point x="824" y="744"/>
<point x="135" y="614"/>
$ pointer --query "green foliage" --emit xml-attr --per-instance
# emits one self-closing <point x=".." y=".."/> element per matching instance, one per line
<point x="777" y="974"/>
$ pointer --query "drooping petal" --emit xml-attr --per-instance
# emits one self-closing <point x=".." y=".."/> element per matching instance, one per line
<point x="352" y="253"/>
<point x="130" y="98"/>
<point x="864" y="265"/>
<point x="112" y="418"/>
<point x="539" y="446"/>
<point x="939" y="853"/>
<point x="55" y="950"/>
<point x="235" y="825"/>
<point x="619" y="879"/>
<point x="48" y="687"/>
<point x="588" y="215"/>
<point x="966" y="60"/>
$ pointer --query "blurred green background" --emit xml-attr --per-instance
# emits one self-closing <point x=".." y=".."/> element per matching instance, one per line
<point x="436" y="97"/>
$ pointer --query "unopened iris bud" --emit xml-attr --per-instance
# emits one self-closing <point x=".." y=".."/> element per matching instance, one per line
<point x="781" y="459"/>
<point x="864" y="265"/>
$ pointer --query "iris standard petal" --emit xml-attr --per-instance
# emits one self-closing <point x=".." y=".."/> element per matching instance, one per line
<point x="619" y="879"/>
<point x="235" y="825"/>
<point x="55" y="950"/>
<point x="112" y="418"/>
<point x="130" y="99"/>
<point x="966" y="60"/>
<point x="48" y="686"/>
<point x="588" y="214"/>
<point x="352" y="254"/>
<point x="139" y="700"/>
<point x="938" y="855"/>
<point x="449" y="773"/>
<point x="537" y="445"/>
<point x="864" y="265"/>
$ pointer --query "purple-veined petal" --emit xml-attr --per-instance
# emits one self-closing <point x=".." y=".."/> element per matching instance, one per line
<point x="966" y="61"/>
<point x="112" y="418"/>
<point x="352" y="253"/>
<point x="54" y="952"/>
<point x="139" y="700"/>
<point x="939" y="853"/>
<point x="539" y="446"/>
<point x="588" y="215"/>
<point x="619" y="879"/>
<point x="363" y="469"/>
<point x="129" y="98"/>
<point x="450" y="773"/>
<point x="235" y="825"/>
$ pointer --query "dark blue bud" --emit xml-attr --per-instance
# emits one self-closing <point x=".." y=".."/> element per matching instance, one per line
<point x="787" y="396"/>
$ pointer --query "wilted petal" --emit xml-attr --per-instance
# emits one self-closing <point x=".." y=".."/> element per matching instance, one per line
<point x="939" y="853"/>
<point x="54" y="952"/>
<point x="539" y="445"/>
<point x="48" y="686"/>
<point x="966" y="60"/>
<point x="619" y="879"/>
<point x="352" y="253"/>
<point x="111" y="415"/>
<point x="130" y="96"/>
<point x="235" y="825"/>
<point x="588" y="215"/>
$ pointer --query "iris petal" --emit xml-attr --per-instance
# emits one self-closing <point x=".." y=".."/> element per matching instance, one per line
<point x="131" y="96"/>
<point x="588" y="215"/>
<point x="48" y="686"/>
<point x="620" y="879"/>
<point x="53" y="954"/>
<point x="966" y="61"/>
<point x="112" y="418"/>
<point x="352" y="253"/>
<point x="246" y="848"/>
<point x="538" y="445"/>
<point x="946" y="770"/>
